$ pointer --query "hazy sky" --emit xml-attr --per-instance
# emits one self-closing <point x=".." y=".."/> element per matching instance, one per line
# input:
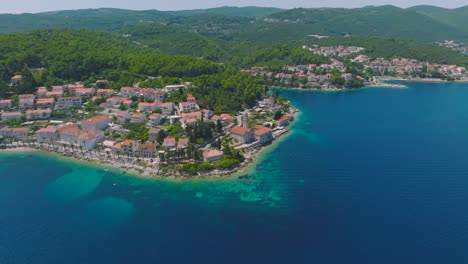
<point x="34" y="6"/>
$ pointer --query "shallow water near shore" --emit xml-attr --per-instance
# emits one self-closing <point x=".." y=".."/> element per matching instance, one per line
<point x="369" y="176"/>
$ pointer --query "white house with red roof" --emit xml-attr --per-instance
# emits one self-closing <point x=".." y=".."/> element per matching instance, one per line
<point x="129" y="92"/>
<point x="45" y="102"/>
<point x="146" y="150"/>
<point x="5" y="104"/>
<point x="283" y="121"/>
<point x="191" y="98"/>
<point x="11" y="116"/>
<point x="38" y="114"/>
<point x="138" y="118"/>
<point x="89" y="139"/>
<point x="155" y="119"/>
<point x="100" y="122"/>
<point x="188" y="106"/>
<point x="115" y="101"/>
<point x="69" y="133"/>
<point x="68" y="102"/>
<point x="123" y="116"/>
<point x="183" y="143"/>
<point x="105" y="92"/>
<point x="84" y="92"/>
<point x="167" y="108"/>
<point x="242" y="134"/>
<point x="267" y="102"/>
<point x="263" y="134"/>
<point x="26" y="100"/>
<point x="128" y="103"/>
<point x="148" y="107"/>
<point x="169" y="142"/>
<point x="16" y="132"/>
<point x="212" y="155"/>
<point x="46" y="134"/>
<point x="41" y="92"/>
<point x="129" y="145"/>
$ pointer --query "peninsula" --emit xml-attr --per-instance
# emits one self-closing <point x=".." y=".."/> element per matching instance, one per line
<point x="156" y="132"/>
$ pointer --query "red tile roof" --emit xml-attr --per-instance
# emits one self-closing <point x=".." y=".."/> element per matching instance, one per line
<point x="96" y="119"/>
<point x="169" y="140"/>
<point x="241" y="131"/>
<point x="212" y="153"/>
<point x="48" y="129"/>
<point x="261" y="130"/>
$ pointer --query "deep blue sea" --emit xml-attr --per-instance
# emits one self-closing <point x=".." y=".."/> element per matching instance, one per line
<point x="368" y="176"/>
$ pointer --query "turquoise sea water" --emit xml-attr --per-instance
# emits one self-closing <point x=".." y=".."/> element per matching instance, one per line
<point x="368" y="176"/>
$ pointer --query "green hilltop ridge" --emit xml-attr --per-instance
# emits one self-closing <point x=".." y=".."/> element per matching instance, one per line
<point x="422" y="23"/>
<point x="457" y="18"/>
<point x="231" y="36"/>
<point x="247" y="11"/>
<point x="372" y="21"/>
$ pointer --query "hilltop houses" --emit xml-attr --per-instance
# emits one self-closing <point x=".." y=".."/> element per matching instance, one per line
<point x="148" y="107"/>
<point x="114" y="101"/>
<point x="123" y="116"/>
<point x="188" y="106"/>
<point x="11" y="116"/>
<point x="167" y="108"/>
<point x="154" y="120"/>
<point x="16" y="79"/>
<point x="45" y="102"/>
<point x="68" y="102"/>
<point x="38" y="114"/>
<point x="5" y="104"/>
<point x="26" y="100"/>
<point x="138" y="118"/>
<point x="169" y="142"/>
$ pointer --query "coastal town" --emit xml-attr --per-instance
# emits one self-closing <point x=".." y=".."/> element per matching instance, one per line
<point x="142" y="129"/>
<point x="350" y="68"/>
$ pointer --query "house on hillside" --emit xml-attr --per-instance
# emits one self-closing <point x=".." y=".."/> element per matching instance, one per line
<point x="169" y="142"/>
<point x="5" y="104"/>
<point x="26" y="100"/>
<point x="11" y="116"/>
<point x="38" y="114"/>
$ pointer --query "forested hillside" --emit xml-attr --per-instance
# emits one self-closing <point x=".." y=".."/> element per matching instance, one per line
<point x="61" y="56"/>
<point x="420" y="23"/>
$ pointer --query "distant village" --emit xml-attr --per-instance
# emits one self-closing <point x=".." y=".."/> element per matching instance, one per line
<point x="139" y="128"/>
<point x="350" y="68"/>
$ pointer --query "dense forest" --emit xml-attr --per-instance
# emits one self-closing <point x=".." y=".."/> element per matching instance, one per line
<point x="252" y="36"/>
<point x="422" y="23"/>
